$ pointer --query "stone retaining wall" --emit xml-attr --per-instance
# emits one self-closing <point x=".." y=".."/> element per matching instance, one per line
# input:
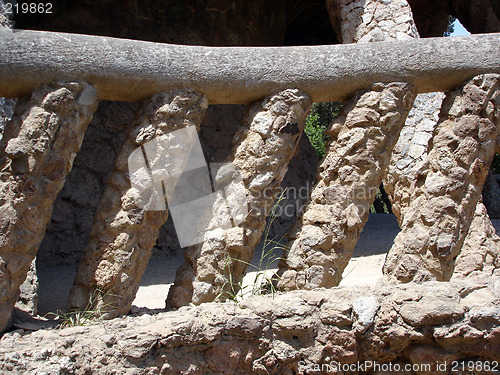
<point x="293" y="333"/>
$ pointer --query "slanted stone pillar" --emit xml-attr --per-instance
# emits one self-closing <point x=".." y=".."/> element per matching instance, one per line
<point x="36" y="153"/>
<point x="362" y="138"/>
<point x="125" y="230"/>
<point x="411" y="150"/>
<point x="376" y="20"/>
<point x="262" y="149"/>
<point x="446" y="188"/>
<point x="481" y="249"/>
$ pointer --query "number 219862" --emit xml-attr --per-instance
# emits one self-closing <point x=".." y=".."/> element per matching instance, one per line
<point x="33" y="8"/>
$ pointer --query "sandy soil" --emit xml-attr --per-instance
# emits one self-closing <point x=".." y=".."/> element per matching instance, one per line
<point x="365" y="268"/>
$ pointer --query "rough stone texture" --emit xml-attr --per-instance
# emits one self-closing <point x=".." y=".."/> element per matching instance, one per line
<point x="124" y="234"/>
<point x="358" y="21"/>
<point x="375" y="21"/>
<point x="447" y="185"/>
<point x="348" y="178"/>
<point x="380" y="20"/>
<point x="481" y="246"/>
<point x="294" y="333"/>
<point x="5" y="18"/>
<point x="262" y="149"/>
<point x="76" y="204"/>
<point x="36" y="154"/>
<point x="28" y="292"/>
<point x="411" y="149"/>
<point x="234" y="75"/>
<point x="480" y="253"/>
<point x="74" y="209"/>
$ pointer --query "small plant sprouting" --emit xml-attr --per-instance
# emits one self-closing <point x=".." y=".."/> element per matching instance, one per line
<point x="264" y="280"/>
<point x="92" y="312"/>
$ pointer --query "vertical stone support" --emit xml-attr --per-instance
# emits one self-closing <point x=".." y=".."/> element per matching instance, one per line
<point x="411" y="149"/>
<point x="262" y="149"/>
<point x="376" y="20"/>
<point x="125" y="231"/>
<point x="446" y="188"/>
<point x="481" y="249"/>
<point x="36" y="153"/>
<point x="360" y="21"/>
<point x="362" y="138"/>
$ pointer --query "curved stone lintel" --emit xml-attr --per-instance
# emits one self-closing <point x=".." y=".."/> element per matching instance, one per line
<point x="129" y="70"/>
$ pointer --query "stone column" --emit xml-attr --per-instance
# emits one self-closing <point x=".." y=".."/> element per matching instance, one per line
<point x="411" y="149"/>
<point x="262" y="149"/>
<point x="125" y="230"/>
<point x="36" y="153"/>
<point x="312" y="263"/>
<point x="362" y="138"/>
<point x="480" y="251"/>
<point x="360" y="21"/>
<point x="377" y="20"/>
<point x="446" y="188"/>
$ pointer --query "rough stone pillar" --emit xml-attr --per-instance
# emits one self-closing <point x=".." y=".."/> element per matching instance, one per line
<point x="36" y="154"/>
<point x="377" y="20"/>
<point x="481" y="248"/>
<point x="411" y="149"/>
<point x="359" y="21"/>
<point x="480" y="253"/>
<point x="124" y="234"/>
<point x="262" y="149"/>
<point x="362" y="138"/>
<point x="447" y="186"/>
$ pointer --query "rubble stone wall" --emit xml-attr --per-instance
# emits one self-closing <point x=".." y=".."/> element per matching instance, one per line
<point x="293" y="333"/>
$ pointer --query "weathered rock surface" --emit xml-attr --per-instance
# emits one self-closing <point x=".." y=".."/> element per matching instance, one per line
<point x="358" y="21"/>
<point x="124" y="232"/>
<point x="411" y="149"/>
<point x="480" y="253"/>
<point x="291" y="333"/>
<point x="481" y="245"/>
<point x="28" y="292"/>
<point x="36" y="154"/>
<point x="447" y="186"/>
<point x="74" y="209"/>
<point x="348" y="178"/>
<point x="262" y="149"/>
<point x="232" y="75"/>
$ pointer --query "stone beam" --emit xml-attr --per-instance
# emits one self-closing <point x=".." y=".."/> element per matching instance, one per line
<point x="131" y="70"/>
